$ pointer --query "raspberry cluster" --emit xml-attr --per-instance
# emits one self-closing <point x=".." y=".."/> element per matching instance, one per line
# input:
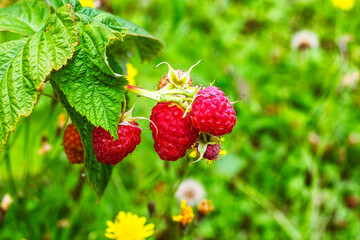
<point x="209" y="115"/>
<point x="184" y="116"/>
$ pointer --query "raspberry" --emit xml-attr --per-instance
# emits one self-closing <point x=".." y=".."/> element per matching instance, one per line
<point x="112" y="152"/>
<point x="165" y="80"/>
<point x="174" y="134"/>
<point x="212" y="151"/>
<point x="212" y="112"/>
<point x="73" y="147"/>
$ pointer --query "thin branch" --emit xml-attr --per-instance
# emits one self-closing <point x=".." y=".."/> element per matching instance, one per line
<point x="50" y="96"/>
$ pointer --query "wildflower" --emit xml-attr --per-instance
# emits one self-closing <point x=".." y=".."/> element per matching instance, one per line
<point x="45" y="146"/>
<point x="128" y="226"/>
<point x="194" y="153"/>
<point x="350" y="80"/>
<point x="313" y="139"/>
<point x="87" y="3"/>
<point x="63" y="223"/>
<point x="344" y="4"/>
<point x="186" y="215"/>
<point x="304" y="39"/>
<point x="353" y="139"/>
<point x="60" y="124"/>
<point x="6" y="202"/>
<point x="131" y="73"/>
<point x="61" y="120"/>
<point x="205" y="207"/>
<point x="222" y="152"/>
<point x="190" y="190"/>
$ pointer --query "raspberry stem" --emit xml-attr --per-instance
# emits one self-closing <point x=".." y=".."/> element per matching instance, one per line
<point x="160" y="96"/>
<point x="190" y="93"/>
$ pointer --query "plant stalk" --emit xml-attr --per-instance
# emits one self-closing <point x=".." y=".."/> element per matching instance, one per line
<point x="278" y="216"/>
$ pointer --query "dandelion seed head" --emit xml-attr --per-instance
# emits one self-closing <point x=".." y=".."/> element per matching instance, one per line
<point x="191" y="191"/>
<point x="304" y="40"/>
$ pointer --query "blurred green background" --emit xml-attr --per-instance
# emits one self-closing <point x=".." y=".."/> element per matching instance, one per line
<point x="294" y="153"/>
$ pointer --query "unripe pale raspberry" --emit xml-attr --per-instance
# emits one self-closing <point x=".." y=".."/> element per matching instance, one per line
<point x="73" y="147"/>
<point x="212" y="151"/>
<point x="165" y="80"/>
<point x="112" y="152"/>
<point x="212" y="112"/>
<point x="174" y="133"/>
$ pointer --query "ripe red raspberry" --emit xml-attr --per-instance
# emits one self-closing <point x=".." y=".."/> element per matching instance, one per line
<point x="212" y="151"/>
<point x="212" y="112"/>
<point x="73" y="147"/>
<point x="174" y="134"/>
<point x="165" y="80"/>
<point x="112" y="152"/>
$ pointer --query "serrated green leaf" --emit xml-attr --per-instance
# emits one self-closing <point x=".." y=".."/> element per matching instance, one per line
<point x="59" y="3"/>
<point x="136" y="37"/>
<point x="97" y="174"/>
<point x="25" y="63"/>
<point x="96" y="37"/>
<point x="89" y="83"/>
<point x="26" y="18"/>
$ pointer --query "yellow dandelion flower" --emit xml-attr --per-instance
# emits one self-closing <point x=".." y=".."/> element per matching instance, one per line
<point x="87" y="3"/>
<point x="344" y="4"/>
<point x="186" y="215"/>
<point x="131" y="73"/>
<point x="128" y="226"/>
<point x="222" y="152"/>
<point x="205" y="207"/>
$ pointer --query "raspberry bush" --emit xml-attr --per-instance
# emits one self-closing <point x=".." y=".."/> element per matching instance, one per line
<point x="68" y="46"/>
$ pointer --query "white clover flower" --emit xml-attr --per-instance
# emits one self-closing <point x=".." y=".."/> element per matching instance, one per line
<point x="191" y="191"/>
<point x="304" y="39"/>
<point x="350" y="80"/>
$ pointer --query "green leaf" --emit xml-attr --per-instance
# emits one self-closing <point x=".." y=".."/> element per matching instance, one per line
<point x="98" y="174"/>
<point x="25" y="63"/>
<point x="136" y="37"/>
<point x="59" y="3"/>
<point x="88" y="81"/>
<point x="26" y="18"/>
